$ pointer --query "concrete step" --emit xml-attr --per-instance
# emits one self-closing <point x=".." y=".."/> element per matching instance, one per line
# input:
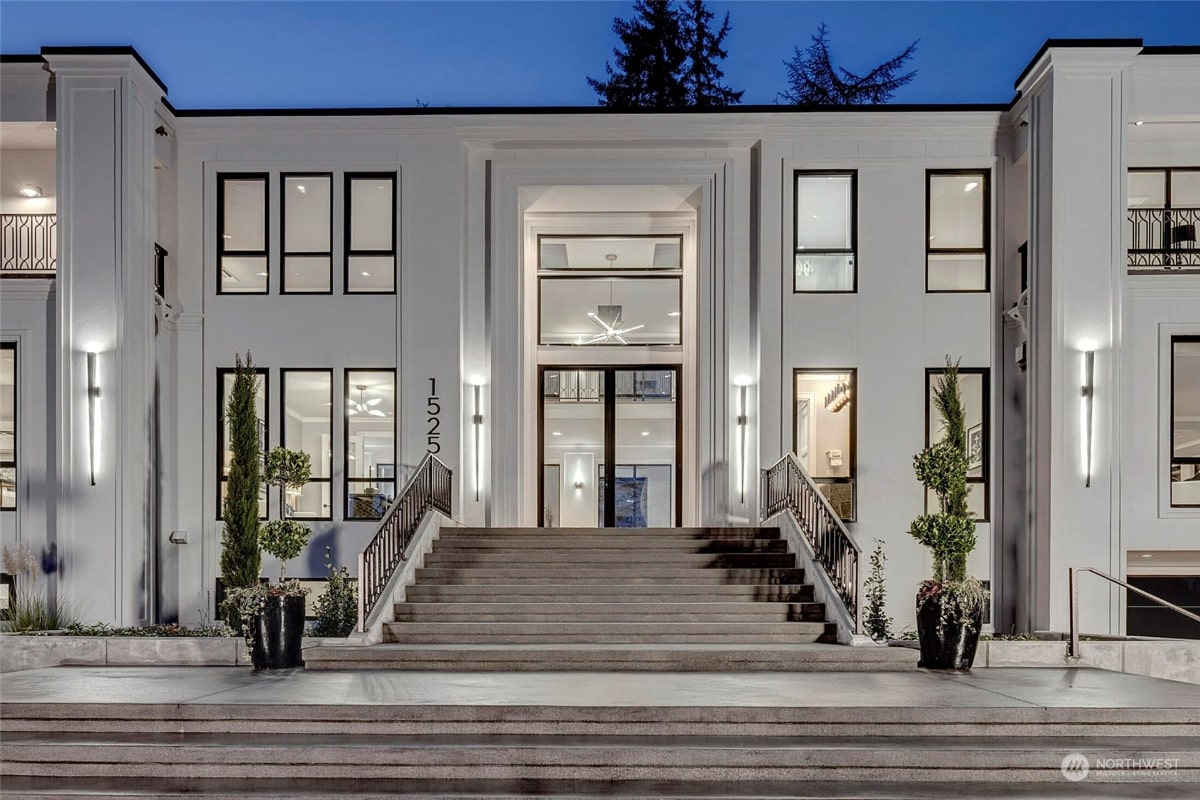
<point x="626" y="545"/>
<point x="608" y="612"/>
<point x="631" y="574"/>
<point x="607" y="593"/>
<point x="608" y="559"/>
<point x="609" y="632"/>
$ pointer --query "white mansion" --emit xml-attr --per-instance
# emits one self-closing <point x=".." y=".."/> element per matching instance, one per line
<point x="549" y="297"/>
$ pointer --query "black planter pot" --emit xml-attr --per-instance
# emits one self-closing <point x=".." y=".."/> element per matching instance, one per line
<point x="278" y="634"/>
<point x="951" y="647"/>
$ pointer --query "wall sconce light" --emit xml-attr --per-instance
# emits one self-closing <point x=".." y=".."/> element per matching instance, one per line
<point x="477" y="421"/>
<point x="1087" y="398"/>
<point x="579" y="480"/>
<point x="742" y="383"/>
<point x="93" y="395"/>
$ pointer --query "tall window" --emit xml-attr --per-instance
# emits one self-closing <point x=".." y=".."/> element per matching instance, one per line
<point x="8" y="426"/>
<point x="825" y="436"/>
<point x="243" y="266"/>
<point x="306" y="425"/>
<point x="1164" y="212"/>
<point x="370" y="232"/>
<point x="1185" y="421"/>
<point x="610" y="290"/>
<point x="306" y="207"/>
<point x="974" y="385"/>
<point x="225" y="378"/>
<point x="826" y="232"/>
<point x="370" y="414"/>
<point x="957" y="230"/>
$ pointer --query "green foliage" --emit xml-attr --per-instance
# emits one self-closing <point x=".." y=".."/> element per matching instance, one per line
<point x="287" y="469"/>
<point x="284" y="539"/>
<point x="337" y="609"/>
<point x="30" y="609"/>
<point x="942" y="469"/>
<point x="669" y="57"/>
<point x="171" y="630"/>
<point x="814" y="80"/>
<point x="241" y="560"/>
<point x="876" y="621"/>
<point x="244" y="604"/>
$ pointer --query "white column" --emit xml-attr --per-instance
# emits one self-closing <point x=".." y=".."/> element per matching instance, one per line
<point x="1077" y="275"/>
<point x="106" y="118"/>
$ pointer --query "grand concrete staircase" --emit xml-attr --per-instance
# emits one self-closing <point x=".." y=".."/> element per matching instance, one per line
<point x="694" y="599"/>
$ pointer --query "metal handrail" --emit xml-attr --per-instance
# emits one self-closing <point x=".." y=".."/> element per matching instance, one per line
<point x="1073" y="645"/>
<point x="28" y="244"/>
<point x="427" y="489"/>
<point x="787" y="486"/>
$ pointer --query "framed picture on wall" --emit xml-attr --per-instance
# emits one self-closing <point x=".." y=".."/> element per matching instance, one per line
<point x="975" y="447"/>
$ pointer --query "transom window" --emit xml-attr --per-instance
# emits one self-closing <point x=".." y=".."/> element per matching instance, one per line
<point x="1185" y="421"/>
<point x="957" y="230"/>
<point x="826" y="230"/>
<point x="610" y="290"/>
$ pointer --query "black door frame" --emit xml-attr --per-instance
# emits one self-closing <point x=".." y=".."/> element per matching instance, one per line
<point x="609" y="372"/>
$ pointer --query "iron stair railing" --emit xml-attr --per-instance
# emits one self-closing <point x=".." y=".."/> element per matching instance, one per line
<point x="787" y="486"/>
<point x="427" y="489"/>
<point x="28" y="244"/>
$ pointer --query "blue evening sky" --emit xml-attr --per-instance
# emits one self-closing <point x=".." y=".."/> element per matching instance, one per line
<point x="322" y="54"/>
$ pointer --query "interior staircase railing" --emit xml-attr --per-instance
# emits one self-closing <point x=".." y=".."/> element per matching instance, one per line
<point x="427" y="489"/>
<point x="787" y="486"/>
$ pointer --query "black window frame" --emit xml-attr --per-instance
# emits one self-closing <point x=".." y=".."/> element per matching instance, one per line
<point x="283" y="376"/>
<point x="284" y="253"/>
<point x="1187" y="338"/>
<point x="852" y="460"/>
<point x="347" y="481"/>
<point x="985" y="478"/>
<point x="222" y="252"/>
<point x="266" y="435"/>
<point x="985" y="176"/>
<point x="15" y="463"/>
<point x="348" y="252"/>
<point x="853" y="251"/>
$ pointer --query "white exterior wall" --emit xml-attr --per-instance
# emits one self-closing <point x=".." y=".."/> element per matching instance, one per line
<point x="463" y="311"/>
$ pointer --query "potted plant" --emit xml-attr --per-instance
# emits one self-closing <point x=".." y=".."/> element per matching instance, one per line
<point x="950" y="606"/>
<point x="271" y="617"/>
<point x="241" y="559"/>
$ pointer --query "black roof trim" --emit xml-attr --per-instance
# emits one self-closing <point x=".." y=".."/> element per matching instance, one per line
<point x="1171" y="50"/>
<point x="582" y="110"/>
<point x="1073" y="43"/>
<point x="123" y="50"/>
<point x="169" y="107"/>
<point x="21" y="58"/>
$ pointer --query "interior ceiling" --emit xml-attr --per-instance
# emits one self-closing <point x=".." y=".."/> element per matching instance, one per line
<point x="609" y="198"/>
<point x="27" y="136"/>
<point x="653" y="304"/>
<point x="593" y="252"/>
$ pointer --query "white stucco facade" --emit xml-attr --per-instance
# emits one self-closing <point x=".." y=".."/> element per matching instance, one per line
<point x="475" y="189"/>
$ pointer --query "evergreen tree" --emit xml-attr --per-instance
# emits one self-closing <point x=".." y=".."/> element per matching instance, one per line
<point x="669" y="58"/>
<point x="814" y="80"/>
<point x="241" y="560"/>
<point x="703" y="76"/>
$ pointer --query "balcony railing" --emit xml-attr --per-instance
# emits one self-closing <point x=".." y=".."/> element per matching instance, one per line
<point x="28" y="245"/>
<point x="1163" y="240"/>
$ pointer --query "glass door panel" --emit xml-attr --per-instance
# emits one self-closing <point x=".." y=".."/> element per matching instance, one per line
<point x="646" y="446"/>
<point x="573" y="446"/>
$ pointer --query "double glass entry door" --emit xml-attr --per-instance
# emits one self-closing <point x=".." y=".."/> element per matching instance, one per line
<point x="610" y="444"/>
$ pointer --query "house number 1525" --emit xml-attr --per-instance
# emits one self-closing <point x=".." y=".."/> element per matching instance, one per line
<point x="434" y="409"/>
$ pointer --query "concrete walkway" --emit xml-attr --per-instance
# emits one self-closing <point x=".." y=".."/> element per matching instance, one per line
<point x="983" y="688"/>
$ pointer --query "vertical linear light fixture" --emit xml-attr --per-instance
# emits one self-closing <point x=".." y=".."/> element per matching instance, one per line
<point x="93" y="397"/>
<point x="1087" y="395"/>
<point x="477" y="421"/>
<point x="742" y="383"/>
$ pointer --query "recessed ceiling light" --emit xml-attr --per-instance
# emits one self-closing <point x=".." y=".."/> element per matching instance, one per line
<point x="672" y="313"/>
<point x="816" y="216"/>
<point x="556" y="433"/>
<point x="366" y="274"/>
<point x="1140" y="123"/>
<point x="300" y="188"/>
<point x="226" y="235"/>
<point x="971" y="186"/>
<point x="261" y="274"/>
<point x="29" y="190"/>
<point x="645" y="433"/>
<point x="1147" y="555"/>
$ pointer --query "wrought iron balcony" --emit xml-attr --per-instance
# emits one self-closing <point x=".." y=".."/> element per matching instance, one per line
<point x="28" y="245"/>
<point x="1163" y="240"/>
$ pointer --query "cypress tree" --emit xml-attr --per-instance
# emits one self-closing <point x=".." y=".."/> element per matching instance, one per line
<point x="241" y="559"/>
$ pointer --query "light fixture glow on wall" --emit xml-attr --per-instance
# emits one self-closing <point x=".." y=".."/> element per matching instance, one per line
<point x="1087" y="394"/>
<point x="477" y="422"/>
<point x="29" y="190"/>
<point x="93" y="396"/>
<point x="742" y="383"/>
